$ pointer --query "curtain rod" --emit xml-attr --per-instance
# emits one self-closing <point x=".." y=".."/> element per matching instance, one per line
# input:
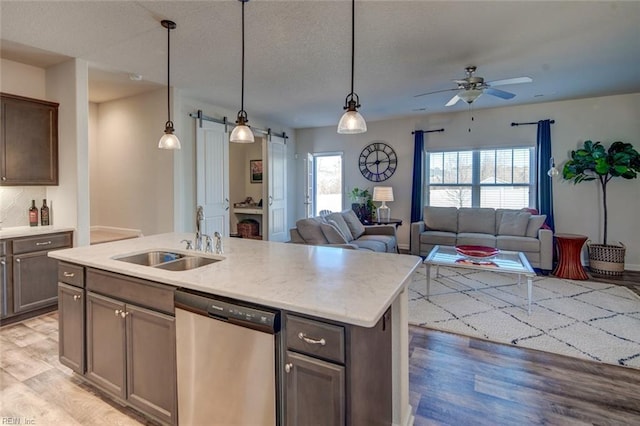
<point x="200" y="116"/>
<point x="532" y="122"/>
<point x="428" y="131"/>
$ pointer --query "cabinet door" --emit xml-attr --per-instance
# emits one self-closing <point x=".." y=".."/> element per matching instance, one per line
<point x="4" y="286"/>
<point x="71" y="327"/>
<point x="106" y="343"/>
<point x="151" y="362"/>
<point x="28" y="142"/>
<point x="315" y="391"/>
<point x="35" y="282"/>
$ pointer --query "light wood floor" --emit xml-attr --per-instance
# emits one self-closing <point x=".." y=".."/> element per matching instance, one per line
<point x="454" y="380"/>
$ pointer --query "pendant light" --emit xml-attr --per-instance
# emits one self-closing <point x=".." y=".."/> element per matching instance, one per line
<point x="352" y="121"/>
<point x="242" y="133"/>
<point x="169" y="140"/>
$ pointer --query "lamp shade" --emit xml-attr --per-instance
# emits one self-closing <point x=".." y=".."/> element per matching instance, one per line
<point x="241" y="134"/>
<point x="169" y="141"/>
<point x="382" y="193"/>
<point x="352" y="122"/>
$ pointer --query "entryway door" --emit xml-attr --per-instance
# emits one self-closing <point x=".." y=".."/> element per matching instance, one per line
<point x="212" y="176"/>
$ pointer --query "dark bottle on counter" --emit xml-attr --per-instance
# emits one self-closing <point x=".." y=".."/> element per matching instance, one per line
<point x="44" y="214"/>
<point x="33" y="214"/>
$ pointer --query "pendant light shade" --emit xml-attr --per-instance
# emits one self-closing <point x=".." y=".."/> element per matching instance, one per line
<point x="242" y="133"/>
<point x="169" y="140"/>
<point x="352" y="121"/>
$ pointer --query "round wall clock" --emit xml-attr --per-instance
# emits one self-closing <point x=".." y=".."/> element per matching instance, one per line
<point x="378" y="161"/>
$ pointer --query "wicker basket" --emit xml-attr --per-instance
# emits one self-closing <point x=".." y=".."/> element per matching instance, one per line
<point x="248" y="228"/>
<point x="606" y="259"/>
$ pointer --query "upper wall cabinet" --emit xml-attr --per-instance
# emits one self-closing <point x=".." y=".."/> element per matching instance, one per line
<point x="28" y="142"/>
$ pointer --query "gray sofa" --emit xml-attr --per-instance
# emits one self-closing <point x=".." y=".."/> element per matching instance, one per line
<point x="511" y="230"/>
<point x="344" y="230"/>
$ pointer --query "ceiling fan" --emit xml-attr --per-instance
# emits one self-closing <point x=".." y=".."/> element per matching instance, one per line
<point x="471" y="87"/>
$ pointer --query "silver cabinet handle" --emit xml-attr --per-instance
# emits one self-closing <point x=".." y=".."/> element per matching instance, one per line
<point x="117" y="312"/>
<point x="77" y="297"/>
<point x="69" y="274"/>
<point x="2" y="262"/>
<point x="4" y="178"/>
<point x="46" y="243"/>
<point x="123" y="314"/>
<point x="287" y="367"/>
<point x="311" y="341"/>
<point x="18" y="260"/>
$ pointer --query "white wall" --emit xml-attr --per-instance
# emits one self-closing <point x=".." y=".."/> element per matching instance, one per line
<point x="577" y="207"/>
<point x="68" y="84"/>
<point x="133" y="185"/>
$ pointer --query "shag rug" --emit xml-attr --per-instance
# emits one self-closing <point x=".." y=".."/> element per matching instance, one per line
<point x="582" y="319"/>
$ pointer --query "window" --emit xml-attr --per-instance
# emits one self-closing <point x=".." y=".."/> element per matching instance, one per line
<point x="327" y="183"/>
<point x="497" y="178"/>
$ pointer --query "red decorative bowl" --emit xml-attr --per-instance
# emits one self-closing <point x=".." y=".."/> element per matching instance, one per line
<point x="477" y="252"/>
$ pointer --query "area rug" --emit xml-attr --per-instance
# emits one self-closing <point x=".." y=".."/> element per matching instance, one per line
<point x="582" y="319"/>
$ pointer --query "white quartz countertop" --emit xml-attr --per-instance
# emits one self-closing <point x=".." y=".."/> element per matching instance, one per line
<point x="349" y="286"/>
<point x="28" y="231"/>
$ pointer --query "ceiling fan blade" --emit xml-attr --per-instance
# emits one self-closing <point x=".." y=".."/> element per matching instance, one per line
<point x="453" y="101"/>
<point x="431" y="93"/>
<point x="516" y="80"/>
<point x="499" y="93"/>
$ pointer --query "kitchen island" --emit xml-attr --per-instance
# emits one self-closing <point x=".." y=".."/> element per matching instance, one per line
<point x="341" y="286"/>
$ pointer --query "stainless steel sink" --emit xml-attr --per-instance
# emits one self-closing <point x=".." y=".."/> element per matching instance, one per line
<point x="187" y="263"/>
<point x="151" y="258"/>
<point x="167" y="260"/>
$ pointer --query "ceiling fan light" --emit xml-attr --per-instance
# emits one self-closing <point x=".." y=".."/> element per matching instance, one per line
<point x="352" y="122"/>
<point x="470" y="95"/>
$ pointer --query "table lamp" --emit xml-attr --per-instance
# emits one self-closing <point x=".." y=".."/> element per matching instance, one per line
<point x="384" y="194"/>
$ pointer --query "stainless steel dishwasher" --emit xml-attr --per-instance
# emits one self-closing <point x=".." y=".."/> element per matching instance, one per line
<point x="226" y="356"/>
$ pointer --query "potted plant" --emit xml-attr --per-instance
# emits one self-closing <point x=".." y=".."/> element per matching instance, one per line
<point x="593" y="162"/>
<point x="362" y="204"/>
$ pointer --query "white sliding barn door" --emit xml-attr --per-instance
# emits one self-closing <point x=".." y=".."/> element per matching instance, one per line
<point x="277" y="189"/>
<point x="212" y="176"/>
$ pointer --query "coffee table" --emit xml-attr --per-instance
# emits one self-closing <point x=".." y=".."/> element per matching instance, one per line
<point x="507" y="262"/>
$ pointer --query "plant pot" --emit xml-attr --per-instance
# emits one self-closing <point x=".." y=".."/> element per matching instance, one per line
<point x="606" y="259"/>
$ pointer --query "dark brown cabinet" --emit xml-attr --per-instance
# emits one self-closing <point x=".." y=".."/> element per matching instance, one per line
<point x="337" y="374"/>
<point x="28" y="141"/>
<point x="71" y="316"/>
<point x="29" y="276"/>
<point x="315" y="391"/>
<point x="131" y="348"/>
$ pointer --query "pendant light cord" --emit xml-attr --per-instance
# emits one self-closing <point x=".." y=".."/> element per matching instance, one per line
<point x="168" y="71"/>
<point x="242" y="86"/>
<point x="353" y="40"/>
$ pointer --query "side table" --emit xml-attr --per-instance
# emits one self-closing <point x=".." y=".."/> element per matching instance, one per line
<point x="392" y="221"/>
<point x="569" y="264"/>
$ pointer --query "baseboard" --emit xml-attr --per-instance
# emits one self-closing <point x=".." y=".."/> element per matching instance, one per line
<point x="404" y="248"/>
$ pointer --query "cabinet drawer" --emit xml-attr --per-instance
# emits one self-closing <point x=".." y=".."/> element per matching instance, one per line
<point x="128" y="289"/>
<point x="41" y="242"/>
<point x="315" y="338"/>
<point x="71" y="274"/>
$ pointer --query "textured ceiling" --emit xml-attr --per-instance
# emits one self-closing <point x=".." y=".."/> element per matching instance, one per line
<point x="298" y="52"/>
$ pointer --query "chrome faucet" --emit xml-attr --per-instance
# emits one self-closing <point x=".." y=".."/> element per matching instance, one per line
<point x="199" y="220"/>
<point x="218" y="237"/>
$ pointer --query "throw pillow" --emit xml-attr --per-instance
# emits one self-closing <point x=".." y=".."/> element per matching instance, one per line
<point x="340" y="224"/>
<point x="310" y="231"/>
<point x="332" y="234"/>
<point x="514" y="223"/>
<point x="355" y="226"/>
<point x="535" y="223"/>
